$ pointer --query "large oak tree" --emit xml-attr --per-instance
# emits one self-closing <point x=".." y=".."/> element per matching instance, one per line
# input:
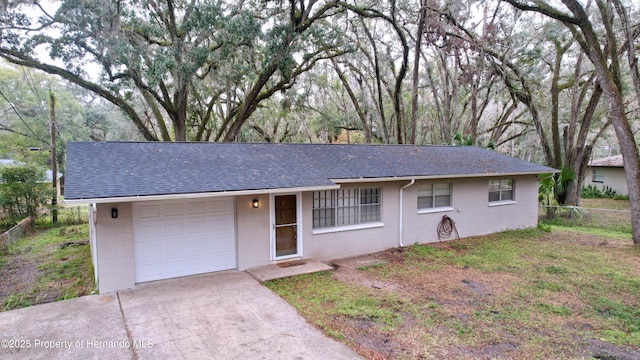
<point x="180" y="70"/>
<point x="607" y="70"/>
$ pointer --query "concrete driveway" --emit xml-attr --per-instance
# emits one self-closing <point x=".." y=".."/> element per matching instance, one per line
<point x="226" y="315"/>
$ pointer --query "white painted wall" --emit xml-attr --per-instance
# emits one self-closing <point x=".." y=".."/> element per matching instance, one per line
<point x="613" y="177"/>
<point x="253" y="231"/>
<point x="92" y="241"/>
<point x="115" y="248"/>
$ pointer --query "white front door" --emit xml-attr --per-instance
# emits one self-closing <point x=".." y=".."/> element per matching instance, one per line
<point x="183" y="237"/>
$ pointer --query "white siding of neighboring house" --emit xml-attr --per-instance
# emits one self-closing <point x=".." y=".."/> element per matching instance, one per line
<point x="613" y="177"/>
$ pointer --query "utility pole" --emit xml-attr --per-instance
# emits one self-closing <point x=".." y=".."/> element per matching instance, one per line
<point x="54" y="161"/>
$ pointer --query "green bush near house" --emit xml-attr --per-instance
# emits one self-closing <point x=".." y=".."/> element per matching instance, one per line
<point x="593" y="192"/>
<point x="23" y="192"/>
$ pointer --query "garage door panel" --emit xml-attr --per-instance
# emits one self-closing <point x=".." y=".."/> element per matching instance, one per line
<point x="223" y="262"/>
<point x="152" y="250"/>
<point x="176" y="267"/>
<point x="220" y="206"/>
<point x="144" y="231"/>
<point x="153" y="271"/>
<point x="173" y="209"/>
<point x="220" y="226"/>
<point x="150" y="211"/>
<point x="184" y="238"/>
<point x="221" y="247"/>
<point x="197" y="207"/>
<point x="198" y="227"/>
<point x="173" y="248"/>
<point x="200" y="263"/>
<point x="173" y="229"/>
<point x="199" y="246"/>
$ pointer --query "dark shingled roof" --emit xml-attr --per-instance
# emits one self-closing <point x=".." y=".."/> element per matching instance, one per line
<point x="121" y="169"/>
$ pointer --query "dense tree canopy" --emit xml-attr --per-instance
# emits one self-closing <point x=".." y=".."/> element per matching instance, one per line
<point x="553" y="82"/>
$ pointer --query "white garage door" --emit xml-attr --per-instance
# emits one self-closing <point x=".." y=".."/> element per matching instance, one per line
<point x="183" y="237"/>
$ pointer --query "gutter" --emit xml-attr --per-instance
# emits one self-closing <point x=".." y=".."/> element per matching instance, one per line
<point x="413" y="181"/>
<point x="196" y="195"/>
<point x="434" y="177"/>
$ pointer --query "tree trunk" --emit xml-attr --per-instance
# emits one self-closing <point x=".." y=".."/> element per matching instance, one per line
<point x="354" y="101"/>
<point x="383" y="120"/>
<point x="628" y="147"/>
<point x="415" y="78"/>
<point x="180" y="121"/>
<point x="632" y="58"/>
<point x="555" y="103"/>
<point x="615" y="104"/>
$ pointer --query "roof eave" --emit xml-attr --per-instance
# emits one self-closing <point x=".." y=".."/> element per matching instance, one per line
<point x="608" y="166"/>
<point x="433" y="177"/>
<point x="137" y="198"/>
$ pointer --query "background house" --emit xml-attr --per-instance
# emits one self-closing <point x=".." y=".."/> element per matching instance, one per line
<point x="48" y="173"/>
<point x="608" y="171"/>
<point x="162" y="210"/>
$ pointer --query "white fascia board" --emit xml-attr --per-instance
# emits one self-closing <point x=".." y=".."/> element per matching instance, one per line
<point x="432" y="177"/>
<point x="197" y="195"/>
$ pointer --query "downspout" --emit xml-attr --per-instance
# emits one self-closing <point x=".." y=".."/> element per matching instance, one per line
<point x="400" y="218"/>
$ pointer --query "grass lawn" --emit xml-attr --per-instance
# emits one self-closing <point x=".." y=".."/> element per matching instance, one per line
<point x="569" y="293"/>
<point x="38" y="268"/>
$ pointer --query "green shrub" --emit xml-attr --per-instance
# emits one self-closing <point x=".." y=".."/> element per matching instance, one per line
<point x="608" y="192"/>
<point x="23" y="191"/>
<point x="592" y="192"/>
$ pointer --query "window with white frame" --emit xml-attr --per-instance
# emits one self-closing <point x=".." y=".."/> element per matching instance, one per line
<point x="434" y="196"/>
<point x="501" y="190"/>
<point x="598" y="176"/>
<point x="343" y="207"/>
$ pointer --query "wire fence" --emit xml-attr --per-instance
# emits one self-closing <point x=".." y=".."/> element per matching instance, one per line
<point x="67" y="215"/>
<point x="74" y="215"/>
<point x="608" y="219"/>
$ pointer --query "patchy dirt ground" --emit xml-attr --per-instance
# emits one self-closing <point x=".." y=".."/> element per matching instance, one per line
<point x="46" y="266"/>
<point x="461" y="295"/>
<point x="17" y="274"/>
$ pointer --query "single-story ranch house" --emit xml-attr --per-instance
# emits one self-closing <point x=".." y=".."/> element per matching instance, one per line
<point x="608" y="171"/>
<point x="164" y="210"/>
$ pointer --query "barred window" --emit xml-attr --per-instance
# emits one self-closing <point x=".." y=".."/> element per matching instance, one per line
<point x="344" y="207"/>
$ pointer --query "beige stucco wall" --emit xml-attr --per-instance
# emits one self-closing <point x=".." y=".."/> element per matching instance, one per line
<point x="114" y="250"/>
<point x="252" y="232"/>
<point x="613" y="177"/>
<point x="471" y="210"/>
<point x="353" y="242"/>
